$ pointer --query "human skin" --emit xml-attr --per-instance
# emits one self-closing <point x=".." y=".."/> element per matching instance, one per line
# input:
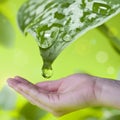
<point x="69" y="94"/>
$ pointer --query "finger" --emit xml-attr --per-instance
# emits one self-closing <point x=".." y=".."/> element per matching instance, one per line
<point x="14" y="84"/>
<point x="30" y="92"/>
<point x="29" y="97"/>
<point x="17" y="84"/>
<point x="21" y="79"/>
<point x="51" y="86"/>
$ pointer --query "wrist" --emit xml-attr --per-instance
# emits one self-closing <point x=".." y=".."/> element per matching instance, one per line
<point x="107" y="92"/>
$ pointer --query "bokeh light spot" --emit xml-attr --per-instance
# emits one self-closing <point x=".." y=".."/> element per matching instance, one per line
<point x="102" y="57"/>
<point x="110" y="70"/>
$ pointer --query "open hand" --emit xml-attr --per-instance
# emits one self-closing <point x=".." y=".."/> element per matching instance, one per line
<point x="60" y="96"/>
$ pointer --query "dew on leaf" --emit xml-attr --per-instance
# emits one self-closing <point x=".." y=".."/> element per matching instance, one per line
<point x="48" y="36"/>
<point x="101" y="8"/>
<point x="56" y="24"/>
<point x="67" y="38"/>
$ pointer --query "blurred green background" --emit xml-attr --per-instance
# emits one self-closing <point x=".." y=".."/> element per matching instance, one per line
<point x="19" y="55"/>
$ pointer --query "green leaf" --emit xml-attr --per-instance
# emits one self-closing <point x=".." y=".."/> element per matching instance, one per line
<point x="55" y="24"/>
<point x="2" y="1"/>
<point x="7" y="34"/>
<point x="115" y="117"/>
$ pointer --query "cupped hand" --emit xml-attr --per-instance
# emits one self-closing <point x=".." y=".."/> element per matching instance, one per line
<point x="59" y="96"/>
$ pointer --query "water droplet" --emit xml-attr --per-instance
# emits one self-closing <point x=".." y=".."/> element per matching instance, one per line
<point x="47" y="72"/>
<point x="67" y="38"/>
<point x="101" y="8"/>
<point x="47" y="37"/>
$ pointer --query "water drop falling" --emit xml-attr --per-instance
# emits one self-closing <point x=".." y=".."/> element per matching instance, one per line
<point x="47" y="72"/>
<point x="48" y="59"/>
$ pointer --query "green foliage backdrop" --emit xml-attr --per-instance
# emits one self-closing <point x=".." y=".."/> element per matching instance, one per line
<point x="19" y="55"/>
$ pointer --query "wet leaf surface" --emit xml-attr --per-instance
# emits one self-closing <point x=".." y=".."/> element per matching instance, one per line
<point x="55" y="24"/>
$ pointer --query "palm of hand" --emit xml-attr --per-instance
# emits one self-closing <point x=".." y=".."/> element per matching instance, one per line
<point x="58" y="97"/>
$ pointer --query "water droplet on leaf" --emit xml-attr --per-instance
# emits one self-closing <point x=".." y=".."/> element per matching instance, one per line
<point x="56" y="24"/>
<point x="101" y="8"/>
<point x="67" y="38"/>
